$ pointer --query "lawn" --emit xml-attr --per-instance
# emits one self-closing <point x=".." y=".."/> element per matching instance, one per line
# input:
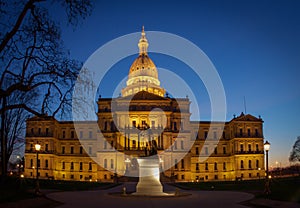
<point x="14" y="189"/>
<point x="284" y="189"/>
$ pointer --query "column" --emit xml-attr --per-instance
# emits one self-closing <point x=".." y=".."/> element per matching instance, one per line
<point x="138" y="141"/>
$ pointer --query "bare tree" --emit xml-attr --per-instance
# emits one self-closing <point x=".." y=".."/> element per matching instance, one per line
<point x="34" y="62"/>
<point x="295" y="154"/>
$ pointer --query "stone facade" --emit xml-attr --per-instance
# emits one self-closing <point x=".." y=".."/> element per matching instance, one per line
<point x="126" y="126"/>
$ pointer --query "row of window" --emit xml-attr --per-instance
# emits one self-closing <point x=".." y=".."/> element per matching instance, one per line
<point x="242" y="166"/>
<point x="216" y="177"/>
<point x="72" y="150"/>
<point x="63" y="166"/>
<point x="249" y="147"/>
<point x="241" y="134"/>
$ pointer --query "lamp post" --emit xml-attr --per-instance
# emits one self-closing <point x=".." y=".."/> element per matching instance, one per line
<point x="37" y="187"/>
<point x="127" y="162"/>
<point x="267" y="185"/>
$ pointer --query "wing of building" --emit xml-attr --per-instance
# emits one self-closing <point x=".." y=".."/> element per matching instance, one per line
<point x="188" y="150"/>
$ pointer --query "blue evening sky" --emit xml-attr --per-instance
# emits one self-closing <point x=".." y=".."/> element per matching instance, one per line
<point x="254" y="45"/>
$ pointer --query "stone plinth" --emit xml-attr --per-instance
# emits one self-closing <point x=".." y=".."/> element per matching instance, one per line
<point x="149" y="183"/>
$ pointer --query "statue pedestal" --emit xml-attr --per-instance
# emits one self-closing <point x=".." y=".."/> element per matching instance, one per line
<point x="149" y="183"/>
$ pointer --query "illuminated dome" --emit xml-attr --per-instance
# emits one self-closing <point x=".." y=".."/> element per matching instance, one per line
<point x="143" y="74"/>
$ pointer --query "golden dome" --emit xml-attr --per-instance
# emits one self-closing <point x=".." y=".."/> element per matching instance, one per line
<point x="143" y="66"/>
<point x="143" y="74"/>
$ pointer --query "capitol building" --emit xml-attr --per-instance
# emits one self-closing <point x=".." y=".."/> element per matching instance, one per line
<point x="143" y="117"/>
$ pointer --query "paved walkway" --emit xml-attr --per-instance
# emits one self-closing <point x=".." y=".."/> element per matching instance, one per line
<point x="102" y="198"/>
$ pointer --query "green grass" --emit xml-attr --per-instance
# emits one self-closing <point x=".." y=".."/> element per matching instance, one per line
<point x="15" y="189"/>
<point x="284" y="189"/>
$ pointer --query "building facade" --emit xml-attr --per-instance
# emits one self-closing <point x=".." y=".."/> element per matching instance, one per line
<point x="128" y="125"/>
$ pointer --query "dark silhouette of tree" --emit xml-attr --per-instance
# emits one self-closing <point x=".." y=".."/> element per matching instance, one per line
<point x="37" y="73"/>
<point x="295" y="154"/>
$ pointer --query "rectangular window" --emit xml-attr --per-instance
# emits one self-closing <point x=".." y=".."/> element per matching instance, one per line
<point x="181" y="144"/>
<point x="223" y="134"/>
<point x="80" y="166"/>
<point x="47" y="131"/>
<point x="205" y="134"/>
<point x="256" y="147"/>
<point x="72" y="166"/>
<point x="134" y="123"/>
<point x="182" y="164"/>
<point x="64" y="134"/>
<point x="215" y="135"/>
<point x="250" y="164"/>
<point x="90" y="134"/>
<point x="248" y="132"/>
<point x="81" y="134"/>
<point x="72" y="150"/>
<point x="216" y="150"/>
<point x="90" y="150"/>
<point x="242" y="148"/>
<point x="175" y="126"/>
<point x="216" y="166"/>
<point x="90" y="166"/>
<point x="197" y="151"/>
<point x="175" y="145"/>
<point x="112" y="143"/>
<point x="257" y="164"/>
<point x="63" y="149"/>
<point x="31" y="163"/>
<point x="81" y="150"/>
<point x="249" y="148"/>
<point x="224" y="150"/>
<point x="241" y="132"/>
<point x="63" y="165"/>
<point x="105" y="163"/>
<point x="206" y="150"/>
<point x="197" y="166"/>
<point x="176" y="165"/>
<point x="39" y="131"/>
<point x="206" y="166"/>
<point x="182" y="177"/>
<point x="224" y="165"/>
<point x="256" y="132"/>
<point x="46" y="147"/>
<point x="46" y="164"/>
<point x="111" y="163"/>
<point x="105" y="144"/>
<point x="72" y="135"/>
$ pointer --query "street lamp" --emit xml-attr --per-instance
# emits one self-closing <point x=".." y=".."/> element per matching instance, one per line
<point x="37" y="187"/>
<point x="267" y="185"/>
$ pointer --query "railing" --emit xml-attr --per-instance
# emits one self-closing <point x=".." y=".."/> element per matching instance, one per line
<point x="29" y="134"/>
<point x="249" y="152"/>
<point x="245" y="135"/>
